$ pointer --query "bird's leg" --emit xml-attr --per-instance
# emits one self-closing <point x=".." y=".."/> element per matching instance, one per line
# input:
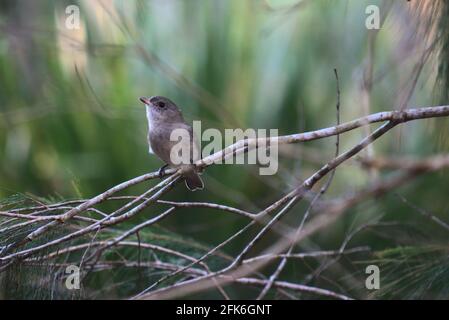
<point x="162" y="171"/>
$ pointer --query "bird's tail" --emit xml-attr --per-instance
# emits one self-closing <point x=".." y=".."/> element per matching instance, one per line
<point x="193" y="181"/>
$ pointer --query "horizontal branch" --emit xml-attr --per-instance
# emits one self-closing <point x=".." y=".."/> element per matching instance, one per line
<point x="314" y="254"/>
<point x="394" y="116"/>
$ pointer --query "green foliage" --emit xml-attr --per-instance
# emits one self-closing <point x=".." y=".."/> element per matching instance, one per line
<point x="413" y="272"/>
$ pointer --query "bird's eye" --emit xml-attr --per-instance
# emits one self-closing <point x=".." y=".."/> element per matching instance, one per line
<point x="161" y="104"/>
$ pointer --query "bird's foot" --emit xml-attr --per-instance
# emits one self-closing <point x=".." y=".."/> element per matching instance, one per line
<point x="162" y="171"/>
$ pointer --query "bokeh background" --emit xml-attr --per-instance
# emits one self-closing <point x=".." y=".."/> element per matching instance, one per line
<point x="71" y="125"/>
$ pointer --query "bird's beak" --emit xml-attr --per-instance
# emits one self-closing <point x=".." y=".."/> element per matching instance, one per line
<point x="145" y="100"/>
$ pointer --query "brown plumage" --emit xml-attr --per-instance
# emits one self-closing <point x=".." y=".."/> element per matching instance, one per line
<point x="164" y="120"/>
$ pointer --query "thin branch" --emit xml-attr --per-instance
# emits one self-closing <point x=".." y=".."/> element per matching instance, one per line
<point x="425" y="213"/>
<point x="308" y="254"/>
<point x="283" y="262"/>
<point x="395" y="116"/>
<point x="107" y="221"/>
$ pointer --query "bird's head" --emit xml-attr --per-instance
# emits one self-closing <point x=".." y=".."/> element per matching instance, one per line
<point x="162" y="109"/>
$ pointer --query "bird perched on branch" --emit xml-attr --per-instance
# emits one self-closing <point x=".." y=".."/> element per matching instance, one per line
<point x="172" y="139"/>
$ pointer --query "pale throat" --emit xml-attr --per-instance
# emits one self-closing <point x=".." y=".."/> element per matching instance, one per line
<point x="148" y="111"/>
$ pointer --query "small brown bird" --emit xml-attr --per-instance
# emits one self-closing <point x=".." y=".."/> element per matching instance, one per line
<point x="163" y="118"/>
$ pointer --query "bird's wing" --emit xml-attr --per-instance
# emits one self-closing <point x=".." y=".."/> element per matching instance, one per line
<point x="195" y="144"/>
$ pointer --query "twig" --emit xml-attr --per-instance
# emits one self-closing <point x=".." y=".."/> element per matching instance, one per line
<point x="425" y="213"/>
<point x="167" y="184"/>
<point x="307" y="254"/>
<point x="283" y="262"/>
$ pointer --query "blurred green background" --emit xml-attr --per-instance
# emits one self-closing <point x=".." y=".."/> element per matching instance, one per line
<point x="71" y="125"/>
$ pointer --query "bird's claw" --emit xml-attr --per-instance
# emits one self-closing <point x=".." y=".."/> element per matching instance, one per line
<point x="161" y="172"/>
